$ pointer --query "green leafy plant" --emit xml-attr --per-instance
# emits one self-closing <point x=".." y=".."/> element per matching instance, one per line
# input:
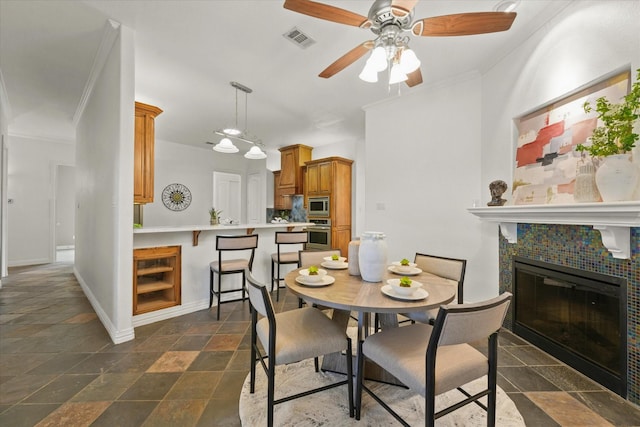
<point x="313" y="270"/>
<point x="335" y="257"/>
<point x="215" y="214"/>
<point x="405" y="282"/>
<point x="616" y="135"/>
<point x="404" y="261"/>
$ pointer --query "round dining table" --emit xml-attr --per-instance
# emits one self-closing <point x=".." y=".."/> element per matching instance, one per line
<point x="348" y="293"/>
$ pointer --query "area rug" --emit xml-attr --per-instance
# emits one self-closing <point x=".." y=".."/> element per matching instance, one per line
<point x="329" y="407"/>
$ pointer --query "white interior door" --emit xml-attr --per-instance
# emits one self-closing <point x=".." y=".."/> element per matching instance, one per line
<point x="255" y="196"/>
<point x="227" y="195"/>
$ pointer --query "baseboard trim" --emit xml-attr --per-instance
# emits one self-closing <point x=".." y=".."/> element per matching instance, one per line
<point x="169" y="313"/>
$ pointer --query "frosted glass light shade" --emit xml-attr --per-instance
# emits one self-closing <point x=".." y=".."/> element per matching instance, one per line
<point x="225" y="146"/>
<point x="232" y="131"/>
<point x="378" y="59"/>
<point x="255" y="153"/>
<point x="397" y="75"/>
<point x="368" y="74"/>
<point x="409" y="62"/>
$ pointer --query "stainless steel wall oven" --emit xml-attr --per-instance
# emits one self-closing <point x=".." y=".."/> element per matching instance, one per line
<point x="319" y="234"/>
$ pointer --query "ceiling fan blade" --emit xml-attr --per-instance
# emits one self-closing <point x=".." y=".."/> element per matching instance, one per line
<point x="347" y="59"/>
<point x="464" y="24"/>
<point x="414" y="78"/>
<point x="401" y="8"/>
<point x="324" y="11"/>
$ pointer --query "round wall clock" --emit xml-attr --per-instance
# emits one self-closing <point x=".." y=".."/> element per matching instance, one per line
<point x="176" y="197"/>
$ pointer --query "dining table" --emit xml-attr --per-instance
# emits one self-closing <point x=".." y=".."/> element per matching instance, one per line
<point x="347" y="294"/>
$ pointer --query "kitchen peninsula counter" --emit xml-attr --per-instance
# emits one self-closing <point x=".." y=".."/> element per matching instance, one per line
<point x="198" y="249"/>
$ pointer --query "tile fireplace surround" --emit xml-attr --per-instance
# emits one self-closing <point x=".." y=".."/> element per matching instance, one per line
<point x="597" y="237"/>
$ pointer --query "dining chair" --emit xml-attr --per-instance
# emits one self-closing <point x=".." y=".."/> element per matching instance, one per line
<point x="282" y="258"/>
<point x="433" y="359"/>
<point x="311" y="257"/>
<point x="449" y="268"/>
<point x="289" y="337"/>
<point x="221" y="267"/>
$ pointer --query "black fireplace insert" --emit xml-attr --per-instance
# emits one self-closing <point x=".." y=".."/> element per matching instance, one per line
<point x="576" y="316"/>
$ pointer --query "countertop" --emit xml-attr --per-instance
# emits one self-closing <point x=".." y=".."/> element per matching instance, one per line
<point x="200" y="227"/>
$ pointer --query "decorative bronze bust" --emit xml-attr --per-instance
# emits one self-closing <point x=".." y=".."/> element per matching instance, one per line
<point x="497" y="188"/>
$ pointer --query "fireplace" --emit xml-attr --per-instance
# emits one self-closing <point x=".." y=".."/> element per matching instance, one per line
<point x="578" y="316"/>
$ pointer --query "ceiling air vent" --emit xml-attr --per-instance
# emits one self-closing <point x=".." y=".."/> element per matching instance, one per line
<point x="299" y="38"/>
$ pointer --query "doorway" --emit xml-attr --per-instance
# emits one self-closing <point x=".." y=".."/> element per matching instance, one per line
<point x="64" y="219"/>
<point x="227" y="195"/>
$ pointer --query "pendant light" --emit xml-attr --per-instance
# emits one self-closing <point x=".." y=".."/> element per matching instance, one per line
<point x="226" y="145"/>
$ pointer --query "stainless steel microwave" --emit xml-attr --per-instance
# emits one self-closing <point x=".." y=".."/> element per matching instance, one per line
<point x="318" y="207"/>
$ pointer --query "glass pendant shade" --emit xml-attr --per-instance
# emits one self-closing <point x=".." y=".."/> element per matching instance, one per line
<point x="397" y="75"/>
<point x="378" y="59"/>
<point x="232" y="131"/>
<point x="368" y="74"/>
<point x="409" y="62"/>
<point x="255" y="153"/>
<point x="225" y="146"/>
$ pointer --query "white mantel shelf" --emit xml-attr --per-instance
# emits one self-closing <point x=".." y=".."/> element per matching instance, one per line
<point x="613" y="220"/>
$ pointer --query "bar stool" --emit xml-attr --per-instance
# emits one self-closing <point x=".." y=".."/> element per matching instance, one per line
<point x="231" y="266"/>
<point x="279" y="258"/>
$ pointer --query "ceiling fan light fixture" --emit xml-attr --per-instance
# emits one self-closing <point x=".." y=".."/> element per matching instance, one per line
<point x="225" y="146"/>
<point x="368" y="74"/>
<point x="378" y="59"/>
<point x="507" y="6"/>
<point x="409" y="62"/>
<point x="397" y="75"/>
<point x="255" y="153"/>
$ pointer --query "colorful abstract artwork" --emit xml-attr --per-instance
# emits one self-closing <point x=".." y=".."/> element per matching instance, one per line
<point x="546" y="159"/>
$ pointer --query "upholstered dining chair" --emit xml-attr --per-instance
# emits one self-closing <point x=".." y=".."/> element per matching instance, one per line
<point x="449" y="268"/>
<point x="311" y="257"/>
<point x="247" y="243"/>
<point x="289" y="337"/>
<point x="282" y="258"/>
<point x="433" y="359"/>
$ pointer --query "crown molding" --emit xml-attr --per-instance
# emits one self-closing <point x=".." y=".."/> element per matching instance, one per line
<point x="109" y="34"/>
<point x="59" y="140"/>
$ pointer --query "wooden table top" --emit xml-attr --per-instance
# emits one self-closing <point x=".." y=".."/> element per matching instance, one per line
<point x="351" y="293"/>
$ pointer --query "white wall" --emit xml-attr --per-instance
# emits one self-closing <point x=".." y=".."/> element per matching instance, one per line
<point x="65" y="211"/>
<point x="421" y="173"/>
<point x="194" y="167"/>
<point x="104" y="194"/>
<point x="4" y="161"/>
<point x="30" y="185"/>
<point x="585" y="41"/>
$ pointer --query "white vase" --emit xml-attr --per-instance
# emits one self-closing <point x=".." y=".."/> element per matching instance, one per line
<point x="372" y="256"/>
<point x="616" y="178"/>
<point x="354" y="259"/>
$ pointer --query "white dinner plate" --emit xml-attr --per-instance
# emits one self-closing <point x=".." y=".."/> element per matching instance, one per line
<point x="417" y="295"/>
<point x="412" y="272"/>
<point x="326" y="281"/>
<point x="335" y="265"/>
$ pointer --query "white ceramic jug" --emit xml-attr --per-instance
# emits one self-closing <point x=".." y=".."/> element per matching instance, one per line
<point x="372" y="256"/>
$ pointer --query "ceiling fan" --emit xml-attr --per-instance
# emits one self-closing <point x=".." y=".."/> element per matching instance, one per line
<point x="388" y="20"/>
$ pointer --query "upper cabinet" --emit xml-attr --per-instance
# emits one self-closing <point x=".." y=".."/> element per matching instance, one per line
<point x="143" y="152"/>
<point x="280" y="201"/>
<point x="318" y="180"/>
<point x="292" y="159"/>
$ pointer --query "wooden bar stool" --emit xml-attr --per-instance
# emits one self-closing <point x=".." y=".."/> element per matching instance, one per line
<point x="279" y="258"/>
<point x="231" y="266"/>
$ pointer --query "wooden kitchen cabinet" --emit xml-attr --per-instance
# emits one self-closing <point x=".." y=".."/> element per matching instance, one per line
<point x="331" y="177"/>
<point x="318" y="179"/>
<point x="292" y="159"/>
<point x="144" y="140"/>
<point x="280" y="201"/>
<point x="156" y="278"/>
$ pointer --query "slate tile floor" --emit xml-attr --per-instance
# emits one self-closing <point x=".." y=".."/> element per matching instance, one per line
<point x="58" y="366"/>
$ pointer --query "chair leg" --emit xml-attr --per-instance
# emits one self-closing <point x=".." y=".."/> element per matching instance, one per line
<point x="270" y="392"/>
<point x="219" y="292"/>
<point x="316" y="364"/>
<point x="278" y="284"/>
<point x="349" y="357"/>
<point x="492" y="380"/>
<point x="272" y="276"/>
<point x="252" y="380"/>
<point x="359" y="379"/>
<point x="210" y="287"/>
